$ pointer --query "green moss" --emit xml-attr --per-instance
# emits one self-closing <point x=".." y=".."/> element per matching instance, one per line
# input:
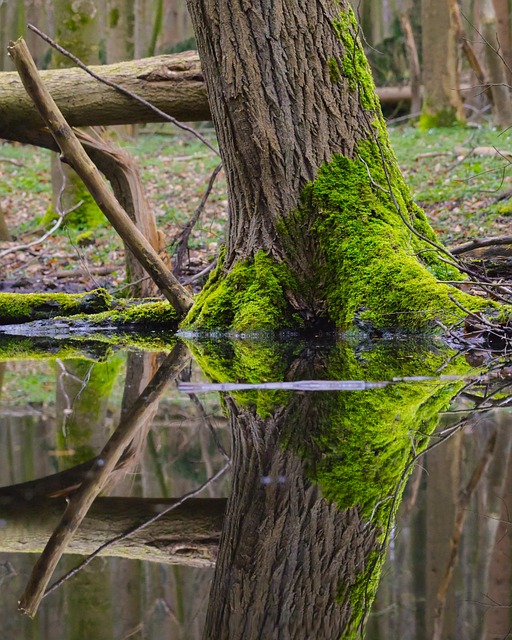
<point x="23" y="307"/>
<point x="88" y="215"/>
<point x="431" y="119"/>
<point x="334" y="70"/>
<point x="376" y="270"/>
<point x="87" y="387"/>
<point x="144" y="315"/>
<point x="114" y="16"/>
<point x="256" y="360"/>
<point x="250" y="297"/>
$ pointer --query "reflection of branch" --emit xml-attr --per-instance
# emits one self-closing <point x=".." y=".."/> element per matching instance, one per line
<point x="460" y="518"/>
<point x="137" y="528"/>
<point x="80" y="503"/>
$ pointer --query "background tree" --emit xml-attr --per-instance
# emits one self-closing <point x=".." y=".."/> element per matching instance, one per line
<point x="442" y="103"/>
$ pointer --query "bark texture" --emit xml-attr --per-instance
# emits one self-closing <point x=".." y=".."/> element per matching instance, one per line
<point x="288" y="558"/>
<point x="277" y="110"/>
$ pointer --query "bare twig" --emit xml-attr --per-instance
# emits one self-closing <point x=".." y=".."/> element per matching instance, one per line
<point x="122" y="90"/>
<point x="181" y="239"/>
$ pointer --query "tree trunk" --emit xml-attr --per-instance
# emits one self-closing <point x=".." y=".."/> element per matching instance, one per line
<point x="442" y="103"/>
<point x="502" y="107"/>
<point x="322" y="229"/>
<point x="77" y="29"/>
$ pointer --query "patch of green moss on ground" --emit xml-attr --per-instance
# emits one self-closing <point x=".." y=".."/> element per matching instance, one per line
<point x="431" y="119"/>
<point x="250" y="297"/>
<point x="23" y="307"/>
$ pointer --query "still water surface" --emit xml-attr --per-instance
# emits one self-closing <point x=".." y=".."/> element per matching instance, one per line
<point x="310" y="490"/>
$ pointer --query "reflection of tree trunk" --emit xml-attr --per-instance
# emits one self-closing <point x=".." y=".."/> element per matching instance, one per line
<point x="187" y="535"/>
<point x="288" y="557"/>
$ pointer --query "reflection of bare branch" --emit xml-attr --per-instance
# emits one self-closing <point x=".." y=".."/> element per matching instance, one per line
<point x="139" y="527"/>
<point x="460" y="518"/>
<point x="80" y="503"/>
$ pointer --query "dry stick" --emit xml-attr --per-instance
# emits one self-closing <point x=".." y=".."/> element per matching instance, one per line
<point x="75" y="155"/>
<point x="462" y="510"/>
<point x="122" y="90"/>
<point x="482" y="242"/>
<point x="106" y="462"/>
<point x="184" y="235"/>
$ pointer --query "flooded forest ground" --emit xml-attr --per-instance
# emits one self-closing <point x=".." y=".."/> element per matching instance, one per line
<point x="378" y="501"/>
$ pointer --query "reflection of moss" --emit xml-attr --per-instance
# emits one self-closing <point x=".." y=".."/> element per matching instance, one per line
<point x="251" y="361"/>
<point x="356" y="446"/>
<point x="86" y="387"/>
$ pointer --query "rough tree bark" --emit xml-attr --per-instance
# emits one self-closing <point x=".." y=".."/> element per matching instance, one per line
<point x="317" y="479"/>
<point x="322" y="229"/>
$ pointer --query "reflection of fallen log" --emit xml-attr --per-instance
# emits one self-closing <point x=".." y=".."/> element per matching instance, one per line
<point x="188" y="535"/>
<point x="80" y="502"/>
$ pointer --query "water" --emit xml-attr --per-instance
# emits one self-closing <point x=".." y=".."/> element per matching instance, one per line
<point x="290" y="498"/>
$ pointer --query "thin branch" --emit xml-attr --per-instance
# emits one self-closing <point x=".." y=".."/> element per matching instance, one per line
<point x="122" y="90"/>
<point x="182" y="238"/>
<point x="477" y="243"/>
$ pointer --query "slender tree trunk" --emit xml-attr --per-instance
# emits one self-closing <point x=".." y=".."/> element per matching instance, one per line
<point x="502" y="111"/>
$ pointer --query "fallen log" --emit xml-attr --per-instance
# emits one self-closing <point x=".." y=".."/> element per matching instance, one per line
<point x="172" y="83"/>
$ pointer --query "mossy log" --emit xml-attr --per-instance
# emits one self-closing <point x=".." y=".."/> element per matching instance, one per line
<point x="95" y="309"/>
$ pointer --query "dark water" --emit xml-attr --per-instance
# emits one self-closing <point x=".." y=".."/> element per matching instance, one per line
<point x="381" y="512"/>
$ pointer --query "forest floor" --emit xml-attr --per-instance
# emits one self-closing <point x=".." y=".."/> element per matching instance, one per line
<point x="462" y="178"/>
